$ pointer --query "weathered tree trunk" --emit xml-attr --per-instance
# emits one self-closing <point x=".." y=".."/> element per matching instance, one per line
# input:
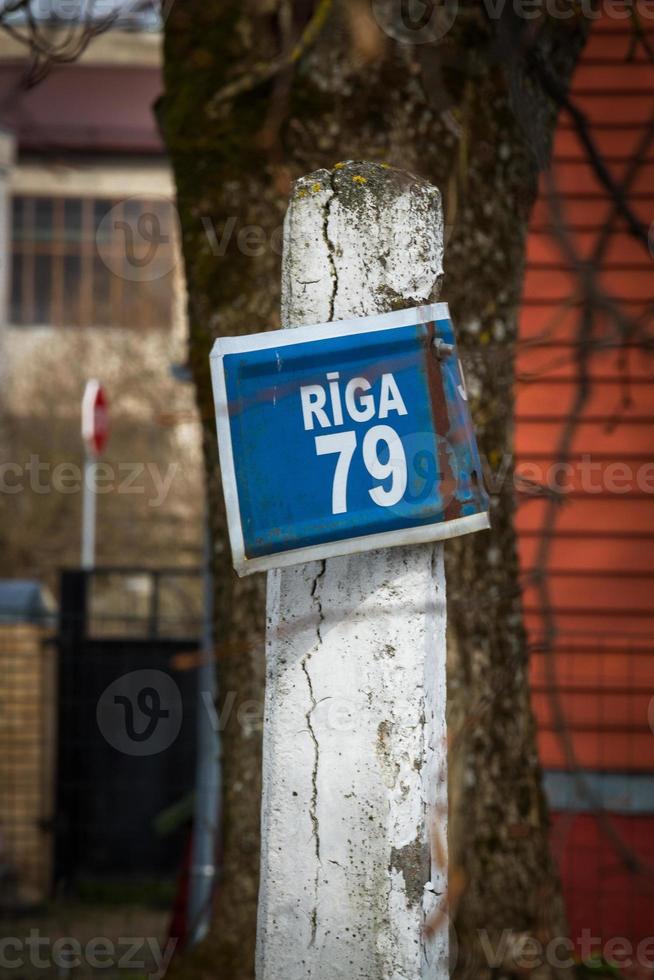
<point x="466" y="115"/>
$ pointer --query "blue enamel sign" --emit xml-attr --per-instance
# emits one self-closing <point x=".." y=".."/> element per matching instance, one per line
<point x="344" y="437"/>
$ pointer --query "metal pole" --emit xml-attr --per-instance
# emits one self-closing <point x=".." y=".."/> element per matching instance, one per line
<point x="207" y="782"/>
<point x="89" y="511"/>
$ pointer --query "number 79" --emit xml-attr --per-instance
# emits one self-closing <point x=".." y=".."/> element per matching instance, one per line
<point x="344" y="444"/>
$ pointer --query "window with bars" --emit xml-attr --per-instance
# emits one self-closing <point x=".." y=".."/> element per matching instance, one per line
<point x="84" y="262"/>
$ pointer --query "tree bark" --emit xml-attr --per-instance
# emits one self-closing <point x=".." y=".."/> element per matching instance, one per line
<point x="467" y="115"/>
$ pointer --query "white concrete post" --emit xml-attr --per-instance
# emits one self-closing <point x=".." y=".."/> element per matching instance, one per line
<point x="354" y="739"/>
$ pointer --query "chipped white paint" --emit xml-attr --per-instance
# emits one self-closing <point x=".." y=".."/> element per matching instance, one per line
<point x="355" y="752"/>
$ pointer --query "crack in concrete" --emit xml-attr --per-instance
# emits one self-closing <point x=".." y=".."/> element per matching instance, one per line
<point x="313" y="815"/>
<point x="330" y="246"/>
<point x="313" y="810"/>
<point x="317" y="600"/>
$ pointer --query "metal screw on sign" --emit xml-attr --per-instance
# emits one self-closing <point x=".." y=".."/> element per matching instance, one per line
<point x="441" y="349"/>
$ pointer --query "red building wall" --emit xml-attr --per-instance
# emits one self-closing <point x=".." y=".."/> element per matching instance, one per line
<point x="601" y="572"/>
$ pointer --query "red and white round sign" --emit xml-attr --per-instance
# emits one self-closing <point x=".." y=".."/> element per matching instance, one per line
<point x="95" y="417"/>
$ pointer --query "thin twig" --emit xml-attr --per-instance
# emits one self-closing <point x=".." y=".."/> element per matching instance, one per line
<point x="559" y="94"/>
<point x="639" y="36"/>
<point x="46" y="48"/>
<point x="265" y="70"/>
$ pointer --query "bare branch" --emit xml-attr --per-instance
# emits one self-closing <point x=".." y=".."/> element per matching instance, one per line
<point x="55" y="42"/>
<point x="639" y="36"/>
<point x="264" y="71"/>
<point x="558" y="93"/>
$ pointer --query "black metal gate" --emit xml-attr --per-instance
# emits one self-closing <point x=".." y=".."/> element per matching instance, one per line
<point x="128" y="646"/>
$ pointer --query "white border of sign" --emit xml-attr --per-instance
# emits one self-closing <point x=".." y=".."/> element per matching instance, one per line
<point x="329" y="549"/>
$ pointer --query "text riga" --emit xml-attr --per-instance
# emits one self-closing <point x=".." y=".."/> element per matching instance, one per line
<point x="360" y="405"/>
<point x="357" y="401"/>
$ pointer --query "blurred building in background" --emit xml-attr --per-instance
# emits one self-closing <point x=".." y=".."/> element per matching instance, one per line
<point x="93" y="287"/>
